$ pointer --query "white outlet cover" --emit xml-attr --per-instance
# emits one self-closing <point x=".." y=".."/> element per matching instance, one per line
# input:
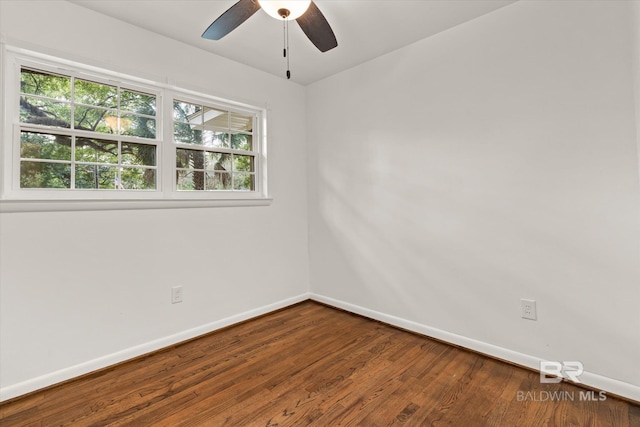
<point x="176" y="294"/>
<point x="528" y="309"/>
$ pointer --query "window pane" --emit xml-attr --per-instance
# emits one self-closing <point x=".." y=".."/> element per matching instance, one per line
<point x="215" y="139"/>
<point x="185" y="112"/>
<point x="138" y="154"/>
<point x="190" y="180"/>
<point x="243" y="181"/>
<point x="218" y="181"/>
<point x="186" y="134"/>
<point x="96" y="151"/>
<point x="189" y="159"/>
<point x="138" y="102"/>
<point x="243" y="163"/>
<point x="137" y="179"/>
<point x="104" y="146"/>
<point x="96" y="120"/>
<point x="45" y="175"/>
<point x="45" y="84"/>
<point x="218" y="161"/>
<point x="45" y="146"/>
<point x="241" y="141"/>
<point x="216" y="118"/>
<point x="133" y="125"/>
<point x="240" y="122"/>
<point x="45" y="112"/>
<point x="96" y="94"/>
<point x="98" y="177"/>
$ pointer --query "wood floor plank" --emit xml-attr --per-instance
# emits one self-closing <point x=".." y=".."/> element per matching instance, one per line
<point x="312" y="365"/>
<point x="310" y="378"/>
<point x="241" y="377"/>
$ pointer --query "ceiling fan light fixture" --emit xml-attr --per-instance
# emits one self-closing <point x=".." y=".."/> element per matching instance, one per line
<point x="296" y="8"/>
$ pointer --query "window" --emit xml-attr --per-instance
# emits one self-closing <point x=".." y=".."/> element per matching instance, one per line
<point x="74" y="132"/>
<point x="214" y="148"/>
<point x="81" y="134"/>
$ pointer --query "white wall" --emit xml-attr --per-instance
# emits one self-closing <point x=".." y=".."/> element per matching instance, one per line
<point x="635" y="22"/>
<point x="80" y="290"/>
<point x="447" y="180"/>
<point x="491" y="162"/>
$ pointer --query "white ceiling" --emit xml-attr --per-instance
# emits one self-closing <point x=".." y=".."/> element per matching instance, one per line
<point x="365" y="29"/>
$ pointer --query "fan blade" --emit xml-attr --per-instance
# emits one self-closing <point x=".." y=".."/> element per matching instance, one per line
<point x="228" y="21"/>
<point x="316" y="27"/>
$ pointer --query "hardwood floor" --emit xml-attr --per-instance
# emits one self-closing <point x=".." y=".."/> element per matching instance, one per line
<point x="311" y="365"/>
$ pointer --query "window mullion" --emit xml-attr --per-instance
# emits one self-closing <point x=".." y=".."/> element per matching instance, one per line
<point x="168" y="149"/>
<point x="72" y="125"/>
<point x="72" y="184"/>
<point x="120" y="167"/>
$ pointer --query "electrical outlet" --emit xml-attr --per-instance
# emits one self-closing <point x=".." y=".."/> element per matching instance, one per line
<point x="528" y="308"/>
<point x="176" y="294"/>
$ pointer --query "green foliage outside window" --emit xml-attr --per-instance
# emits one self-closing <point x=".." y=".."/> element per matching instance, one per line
<point x="208" y="129"/>
<point x="77" y="133"/>
<point x="52" y="100"/>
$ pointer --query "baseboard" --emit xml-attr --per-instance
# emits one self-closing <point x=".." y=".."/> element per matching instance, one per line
<point x="31" y="385"/>
<point x="609" y="385"/>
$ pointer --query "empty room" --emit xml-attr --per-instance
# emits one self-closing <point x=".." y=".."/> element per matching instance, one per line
<point x="320" y="213"/>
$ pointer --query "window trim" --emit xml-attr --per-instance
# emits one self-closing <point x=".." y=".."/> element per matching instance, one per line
<point x="256" y="136"/>
<point x="15" y="199"/>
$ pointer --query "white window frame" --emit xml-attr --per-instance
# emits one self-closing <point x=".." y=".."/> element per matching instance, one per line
<point x="13" y="190"/>
<point x="191" y="98"/>
<point x="16" y="199"/>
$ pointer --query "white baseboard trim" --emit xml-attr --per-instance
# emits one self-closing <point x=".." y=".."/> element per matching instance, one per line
<point x="15" y="390"/>
<point x="599" y="382"/>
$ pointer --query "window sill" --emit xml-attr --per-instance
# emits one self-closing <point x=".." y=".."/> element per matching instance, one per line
<point x="15" y="206"/>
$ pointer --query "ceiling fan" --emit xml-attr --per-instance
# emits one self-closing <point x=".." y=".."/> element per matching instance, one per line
<point x="305" y="12"/>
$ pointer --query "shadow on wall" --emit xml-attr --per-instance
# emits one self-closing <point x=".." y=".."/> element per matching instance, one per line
<point x="440" y="245"/>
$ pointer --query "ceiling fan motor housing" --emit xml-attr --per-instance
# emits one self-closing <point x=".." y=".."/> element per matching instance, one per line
<point x="284" y="13"/>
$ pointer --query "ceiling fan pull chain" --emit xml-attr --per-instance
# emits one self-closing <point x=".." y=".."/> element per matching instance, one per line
<point x="284" y="38"/>
<point x="287" y="54"/>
